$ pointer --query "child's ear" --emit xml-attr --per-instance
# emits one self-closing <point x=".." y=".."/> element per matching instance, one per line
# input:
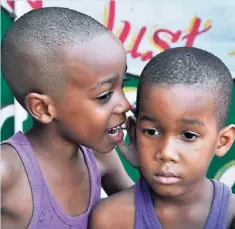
<point x="41" y="107"/>
<point x="225" y="140"/>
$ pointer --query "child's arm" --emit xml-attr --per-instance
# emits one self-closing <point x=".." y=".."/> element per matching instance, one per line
<point x="7" y="174"/>
<point x="9" y="179"/>
<point x="114" y="212"/>
<point x="114" y="177"/>
<point x="104" y="216"/>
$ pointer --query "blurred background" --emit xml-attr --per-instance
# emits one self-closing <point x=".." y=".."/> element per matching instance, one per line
<point x="145" y="27"/>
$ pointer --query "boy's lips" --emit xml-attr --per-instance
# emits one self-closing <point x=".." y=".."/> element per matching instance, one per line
<point x="116" y="132"/>
<point x="165" y="177"/>
<point x="121" y="125"/>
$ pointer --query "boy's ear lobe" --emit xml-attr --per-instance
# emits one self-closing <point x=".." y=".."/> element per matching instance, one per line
<point x="41" y="107"/>
<point x="225" y="140"/>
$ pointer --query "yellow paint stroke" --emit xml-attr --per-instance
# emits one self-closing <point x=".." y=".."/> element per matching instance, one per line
<point x="191" y="24"/>
<point x="129" y="89"/>
<point x="105" y="18"/>
<point x="119" y="30"/>
<point x="207" y="23"/>
<point x="154" y="28"/>
<point x="158" y="47"/>
<point x="231" y="53"/>
<point x="131" y="44"/>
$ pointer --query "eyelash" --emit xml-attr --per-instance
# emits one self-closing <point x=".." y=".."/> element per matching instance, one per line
<point x="148" y="132"/>
<point x="105" y="97"/>
<point x="193" y="135"/>
<point x="153" y="131"/>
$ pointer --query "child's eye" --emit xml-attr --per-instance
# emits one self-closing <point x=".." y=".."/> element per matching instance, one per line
<point x="190" y="136"/>
<point x="104" y="97"/>
<point x="151" y="131"/>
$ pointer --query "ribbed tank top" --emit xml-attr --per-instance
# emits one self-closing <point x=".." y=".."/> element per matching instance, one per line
<point x="47" y="214"/>
<point x="146" y="218"/>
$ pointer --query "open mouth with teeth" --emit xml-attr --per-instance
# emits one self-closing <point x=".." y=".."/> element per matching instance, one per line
<point x="115" y="131"/>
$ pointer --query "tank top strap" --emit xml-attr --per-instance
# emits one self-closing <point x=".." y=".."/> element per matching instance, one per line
<point x="24" y="150"/>
<point x="145" y="216"/>
<point x="95" y="177"/>
<point x="220" y="206"/>
<point x="138" y="206"/>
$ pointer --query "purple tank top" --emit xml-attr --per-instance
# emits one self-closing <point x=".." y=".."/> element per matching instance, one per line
<point x="47" y="214"/>
<point x="145" y="216"/>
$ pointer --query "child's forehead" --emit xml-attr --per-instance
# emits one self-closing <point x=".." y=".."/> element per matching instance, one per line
<point x="99" y="43"/>
<point x="164" y="108"/>
<point x="97" y="53"/>
<point x="180" y="98"/>
<point x="87" y="64"/>
<point x="177" y="91"/>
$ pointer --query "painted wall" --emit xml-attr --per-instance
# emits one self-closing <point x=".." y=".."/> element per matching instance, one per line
<point x="221" y="168"/>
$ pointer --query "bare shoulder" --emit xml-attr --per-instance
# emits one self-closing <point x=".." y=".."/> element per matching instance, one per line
<point x="16" y="197"/>
<point x="10" y="166"/>
<point x="116" y="211"/>
<point x="106" y="161"/>
<point x="113" y="174"/>
<point x="101" y="161"/>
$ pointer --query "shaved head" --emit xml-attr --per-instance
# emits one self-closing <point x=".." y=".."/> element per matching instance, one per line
<point x="189" y="66"/>
<point x="32" y="49"/>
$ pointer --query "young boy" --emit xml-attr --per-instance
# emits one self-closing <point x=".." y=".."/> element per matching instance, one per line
<point x="67" y="70"/>
<point x="182" y="105"/>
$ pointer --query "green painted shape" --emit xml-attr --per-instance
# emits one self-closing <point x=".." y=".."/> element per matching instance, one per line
<point x="6" y="93"/>
<point x="7" y="97"/>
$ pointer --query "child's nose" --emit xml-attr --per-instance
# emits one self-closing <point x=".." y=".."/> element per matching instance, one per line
<point x="167" y="152"/>
<point x="123" y="105"/>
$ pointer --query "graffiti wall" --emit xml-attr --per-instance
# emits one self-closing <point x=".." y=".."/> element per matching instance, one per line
<point x="145" y="30"/>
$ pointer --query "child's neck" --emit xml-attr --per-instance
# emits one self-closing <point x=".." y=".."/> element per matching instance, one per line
<point x="202" y="191"/>
<point x="48" y="144"/>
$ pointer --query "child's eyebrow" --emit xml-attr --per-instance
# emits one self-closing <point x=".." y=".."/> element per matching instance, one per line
<point x="108" y="80"/>
<point x="193" y="122"/>
<point x="147" y="118"/>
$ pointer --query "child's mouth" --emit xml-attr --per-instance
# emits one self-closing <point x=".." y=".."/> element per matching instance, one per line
<point x="116" y="130"/>
<point x="116" y="133"/>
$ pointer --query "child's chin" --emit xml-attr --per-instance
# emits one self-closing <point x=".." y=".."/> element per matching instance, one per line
<point x="167" y="190"/>
<point x="105" y="148"/>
